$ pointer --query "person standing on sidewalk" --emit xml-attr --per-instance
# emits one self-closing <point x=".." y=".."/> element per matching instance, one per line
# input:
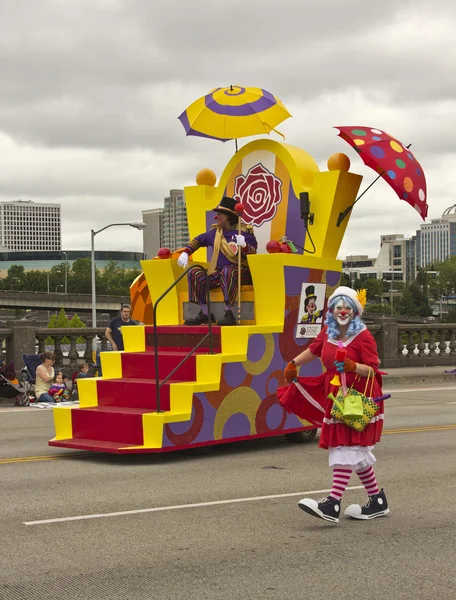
<point x="349" y="450"/>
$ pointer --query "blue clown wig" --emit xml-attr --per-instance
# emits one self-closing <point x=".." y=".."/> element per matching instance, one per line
<point x="355" y="326"/>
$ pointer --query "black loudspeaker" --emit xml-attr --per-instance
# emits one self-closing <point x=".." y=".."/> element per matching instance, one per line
<point x="306" y="215"/>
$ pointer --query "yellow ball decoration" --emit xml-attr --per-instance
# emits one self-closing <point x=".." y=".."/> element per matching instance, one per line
<point x="206" y="177"/>
<point x="338" y="162"/>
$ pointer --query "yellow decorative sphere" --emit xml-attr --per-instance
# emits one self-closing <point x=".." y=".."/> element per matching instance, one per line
<point x="338" y="162"/>
<point x="206" y="177"/>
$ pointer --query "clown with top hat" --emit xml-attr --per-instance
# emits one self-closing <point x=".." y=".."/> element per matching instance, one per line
<point x="348" y="351"/>
<point x="226" y="241"/>
<point x="311" y="314"/>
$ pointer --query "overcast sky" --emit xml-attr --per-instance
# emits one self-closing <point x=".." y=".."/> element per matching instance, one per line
<point x="91" y="91"/>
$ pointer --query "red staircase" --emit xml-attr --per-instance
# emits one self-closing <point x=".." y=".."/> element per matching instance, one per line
<point x="117" y="420"/>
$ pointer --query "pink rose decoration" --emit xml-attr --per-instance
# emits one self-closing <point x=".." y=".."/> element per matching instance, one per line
<point x="260" y="191"/>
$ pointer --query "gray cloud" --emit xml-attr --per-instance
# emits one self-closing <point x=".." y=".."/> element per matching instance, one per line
<point x="91" y="92"/>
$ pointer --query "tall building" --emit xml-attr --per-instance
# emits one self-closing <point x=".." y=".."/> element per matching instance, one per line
<point x="153" y="233"/>
<point x="175" y="225"/>
<point x="27" y="225"/>
<point x="436" y="241"/>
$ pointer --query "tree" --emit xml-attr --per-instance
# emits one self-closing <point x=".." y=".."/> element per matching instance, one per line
<point x="80" y="276"/>
<point x="15" y="278"/>
<point x="374" y="289"/>
<point x="61" y="321"/>
<point x="36" y="281"/>
<point x="345" y="280"/>
<point x="414" y="303"/>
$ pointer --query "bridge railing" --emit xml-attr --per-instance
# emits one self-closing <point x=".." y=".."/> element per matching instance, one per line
<point x="399" y="344"/>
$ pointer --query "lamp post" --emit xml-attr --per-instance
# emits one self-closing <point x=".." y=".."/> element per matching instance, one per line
<point x="57" y="287"/>
<point x="66" y="273"/>
<point x="93" y="233"/>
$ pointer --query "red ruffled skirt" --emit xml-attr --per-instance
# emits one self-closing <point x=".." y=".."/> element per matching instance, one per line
<point x="333" y="433"/>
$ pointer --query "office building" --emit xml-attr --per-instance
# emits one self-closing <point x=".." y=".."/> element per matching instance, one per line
<point x="436" y="241"/>
<point x="45" y="260"/>
<point x="175" y="226"/>
<point x="153" y="233"/>
<point x="27" y="225"/>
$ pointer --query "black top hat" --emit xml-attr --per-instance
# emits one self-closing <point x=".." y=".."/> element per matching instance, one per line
<point x="310" y="292"/>
<point x="227" y="206"/>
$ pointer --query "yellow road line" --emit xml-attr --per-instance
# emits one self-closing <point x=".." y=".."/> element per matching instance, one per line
<point x="21" y="459"/>
<point x="420" y="429"/>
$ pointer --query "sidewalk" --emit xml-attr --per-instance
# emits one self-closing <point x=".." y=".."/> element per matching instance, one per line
<point x="418" y="376"/>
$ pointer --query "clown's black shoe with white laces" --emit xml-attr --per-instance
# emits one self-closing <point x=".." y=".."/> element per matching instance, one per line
<point x="327" y="509"/>
<point x="376" y="506"/>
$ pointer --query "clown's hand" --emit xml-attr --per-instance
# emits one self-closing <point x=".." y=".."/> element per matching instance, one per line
<point x="240" y="241"/>
<point x="182" y="261"/>
<point x="345" y="366"/>
<point x="290" y="373"/>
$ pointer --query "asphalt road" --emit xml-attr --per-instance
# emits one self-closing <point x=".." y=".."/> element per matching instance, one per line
<point x="236" y="542"/>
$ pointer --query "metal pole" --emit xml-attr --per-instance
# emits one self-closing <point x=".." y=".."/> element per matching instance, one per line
<point x="94" y="295"/>
<point x="392" y="274"/>
<point x="66" y="274"/>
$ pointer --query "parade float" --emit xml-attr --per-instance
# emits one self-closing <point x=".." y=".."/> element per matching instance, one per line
<point x="148" y="400"/>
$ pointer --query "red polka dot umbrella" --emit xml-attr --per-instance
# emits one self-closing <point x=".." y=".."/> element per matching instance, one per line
<point x="394" y="162"/>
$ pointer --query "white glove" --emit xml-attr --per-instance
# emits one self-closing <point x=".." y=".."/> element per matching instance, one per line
<point x="182" y="261"/>
<point x="240" y="241"/>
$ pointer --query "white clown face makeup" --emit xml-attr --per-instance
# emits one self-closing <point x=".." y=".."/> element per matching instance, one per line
<point x="343" y="313"/>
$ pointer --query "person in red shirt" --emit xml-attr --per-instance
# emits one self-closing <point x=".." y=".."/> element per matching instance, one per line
<point x="349" y="450"/>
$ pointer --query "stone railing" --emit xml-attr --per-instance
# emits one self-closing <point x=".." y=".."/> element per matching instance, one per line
<point x="24" y="337"/>
<point x="399" y="344"/>
<point x="415" y="345"/>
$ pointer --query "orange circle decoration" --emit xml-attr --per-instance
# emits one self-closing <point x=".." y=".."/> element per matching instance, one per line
<point x="340" y="161"/>
<point x="408" y="184"/>
<point x="274" y="375"/>
<point x="206" y="177"/>
<point x="260" y="420"/>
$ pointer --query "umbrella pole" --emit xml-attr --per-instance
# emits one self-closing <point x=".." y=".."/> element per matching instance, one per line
<point x="239" y="274"/>
<point x="236" y="144"/>
<point x="347" y="210"/>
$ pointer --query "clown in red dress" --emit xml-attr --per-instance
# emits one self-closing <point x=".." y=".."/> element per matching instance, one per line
<point x="349" y="450"/>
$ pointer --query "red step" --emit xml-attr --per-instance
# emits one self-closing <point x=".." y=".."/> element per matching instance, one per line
<point x="109" y="424"/>
<point x="132" y="393"/>
<point x="141" y="365"/>
<point x="181" y="337"/>
<point x="83" y="444"/>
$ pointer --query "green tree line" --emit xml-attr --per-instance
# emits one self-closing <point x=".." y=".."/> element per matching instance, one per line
<point x="113" y="280"/>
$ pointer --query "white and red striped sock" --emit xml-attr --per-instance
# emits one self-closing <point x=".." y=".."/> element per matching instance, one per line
<point x="341" y="477"/>
<point x="369" y="480"/>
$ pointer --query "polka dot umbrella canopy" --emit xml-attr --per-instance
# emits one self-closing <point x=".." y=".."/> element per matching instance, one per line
<point x="234" y="112"/>
<point x="394" y="162"/>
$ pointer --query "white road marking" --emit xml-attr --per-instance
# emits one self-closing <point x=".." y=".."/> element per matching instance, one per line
<point x="418" y="389"/>
<point x="180" y="506"/>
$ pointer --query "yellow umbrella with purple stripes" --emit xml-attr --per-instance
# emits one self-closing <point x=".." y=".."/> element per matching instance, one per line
<point x="234" y="112"/>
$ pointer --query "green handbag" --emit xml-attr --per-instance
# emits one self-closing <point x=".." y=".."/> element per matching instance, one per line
<point x="355" y="409"/>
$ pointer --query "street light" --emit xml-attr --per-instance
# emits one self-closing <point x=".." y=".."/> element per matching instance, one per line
<point x="93" y="233"/>
<point x="66" y="274"/>
<point x="57" y="287"/>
